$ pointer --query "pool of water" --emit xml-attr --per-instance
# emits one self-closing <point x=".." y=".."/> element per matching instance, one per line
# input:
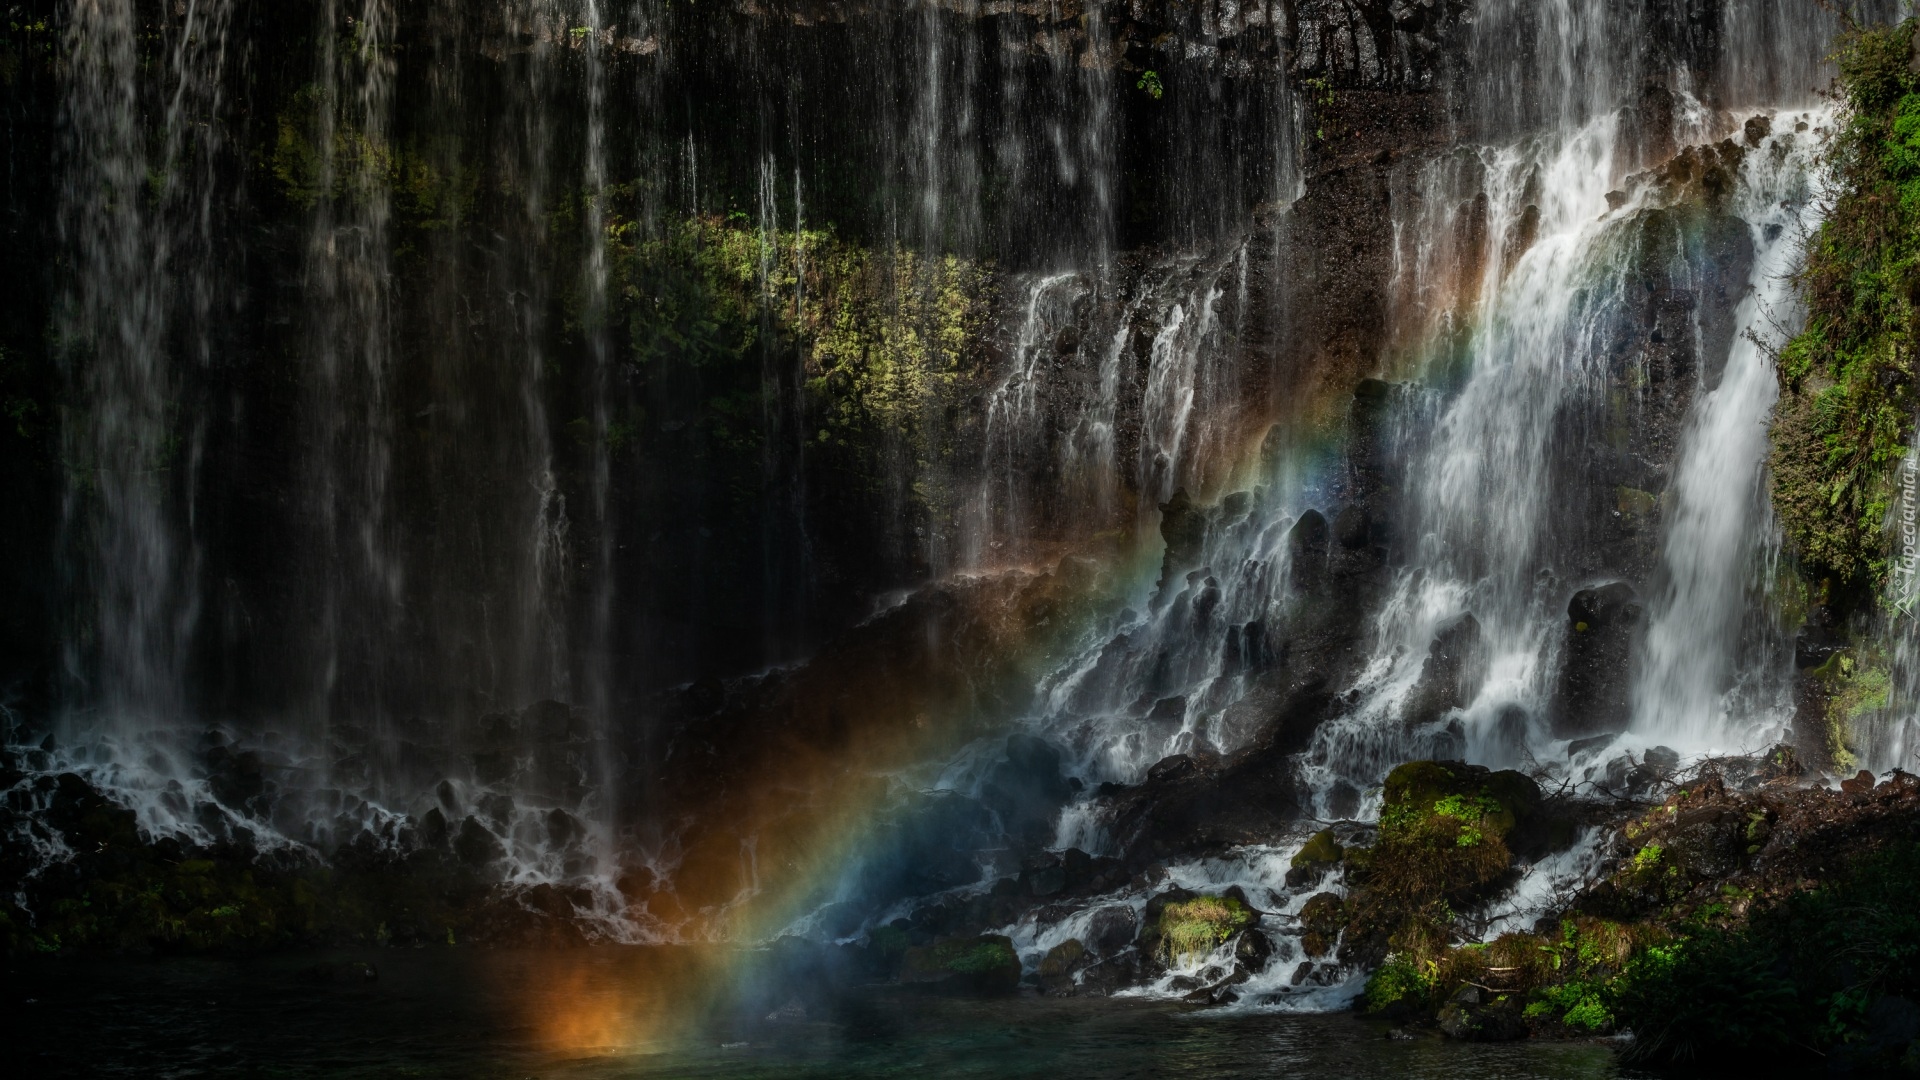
<point x="607" y="1013"/>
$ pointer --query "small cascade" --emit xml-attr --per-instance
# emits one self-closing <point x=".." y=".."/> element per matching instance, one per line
<point x="1164" y="678"/>
<point x="1715" y="674"/>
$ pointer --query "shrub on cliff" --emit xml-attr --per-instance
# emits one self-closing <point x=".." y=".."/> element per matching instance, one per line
<point x="1847" y="389"/>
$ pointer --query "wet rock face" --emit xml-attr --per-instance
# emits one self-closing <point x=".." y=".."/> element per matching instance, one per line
<point x="1380" y="45"/>
<point x="1603" y="627"/>
<point x="1451" y="676"/>
<point x="1027" y="790"/>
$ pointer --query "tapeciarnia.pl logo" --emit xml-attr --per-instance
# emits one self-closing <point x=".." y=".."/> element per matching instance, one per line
<point x="1908" y="553"/>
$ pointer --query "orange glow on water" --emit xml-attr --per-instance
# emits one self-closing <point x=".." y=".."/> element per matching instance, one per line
<point x="613" y="1000"/>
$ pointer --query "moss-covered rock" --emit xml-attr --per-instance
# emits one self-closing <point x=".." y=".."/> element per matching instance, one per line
<point x="1061" y="963"/>
<point x="1312" y="863"/>
<point x="1188" y="929"/>
<point x="982" y="965"/>
<point x="1447" y="835"/>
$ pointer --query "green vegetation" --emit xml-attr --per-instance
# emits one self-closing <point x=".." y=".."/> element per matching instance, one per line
<point x="981" y="958"/>
<point x="1856" y="689"/>
<point x="884" y="340"/>
<point x="1196" y="927"/>
<point x="1399" y="980"/>
<point x="318" y="153"/>
<point x="984" y="964"/>
<point x="1442" y="848"/>
<point x="1802" y="974"/>
<point x="1847" y="382"/>
<point x="1149" y="82"/>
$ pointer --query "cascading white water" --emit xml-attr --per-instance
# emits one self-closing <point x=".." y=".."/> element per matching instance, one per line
<point x="1517" y="264"/>
<point x="138" y="214"/>
<point x="1716" y="670"/>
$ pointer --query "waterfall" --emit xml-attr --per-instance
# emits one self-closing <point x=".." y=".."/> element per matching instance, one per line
<point x="476" y="404"/>
<point x="1555" y="286"/>
<point x="348" y="281"/>
<point x="1715" y="670"/>
<point x="138" y="213"/>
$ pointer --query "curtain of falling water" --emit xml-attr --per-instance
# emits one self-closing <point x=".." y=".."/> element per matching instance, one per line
<point x="137" y="211"/>
<point x="350" y="416"/>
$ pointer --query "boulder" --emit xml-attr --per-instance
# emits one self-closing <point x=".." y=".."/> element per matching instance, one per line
<point x="985" y="965"/>
<point x="1312" y="863"/>
<point x="1027" y="790"/>
<point x="1061" y="964"/>
<point x="1451" y="676"/>
<point x="1111" y="929"/>
<point x="1603" y="626"/>
<point x="1307" y="545"/>
<point x="1321" y="919"/>
<point x="1468" y="1019"/>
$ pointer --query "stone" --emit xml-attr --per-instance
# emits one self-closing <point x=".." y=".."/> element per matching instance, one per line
<point x="1171" y="768"/>
<point x="1313" y="862"/>
<point x="1252" y="949"/>
<point x="1343" y="800"/>
<point x="1170" y="710"/>
<point x="1451" y="676"/>
<point x="1043" y="875"/>
<point x="1112" y="928"/>
<point x="1482" y="1023"/>
<point x="1591" y="745"/>
<point x="1061" y="964"/>
<point x="475" y="846"/>
<point x="1027" y="790"/>
<point x="1603" y="627"/>
<point x="1307" y="545"/>
<point x="1350" y="527"/>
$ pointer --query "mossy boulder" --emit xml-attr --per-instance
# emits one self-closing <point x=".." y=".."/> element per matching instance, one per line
<point x="1192" y="927"/>
<point x="1444" y="846"/>
<point x="984" y="965"/>
<point x="1061" y="964"/>
<point x="1313" y="862"/>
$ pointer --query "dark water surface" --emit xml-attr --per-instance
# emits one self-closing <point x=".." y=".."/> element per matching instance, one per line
<point x="622" y="1013"/>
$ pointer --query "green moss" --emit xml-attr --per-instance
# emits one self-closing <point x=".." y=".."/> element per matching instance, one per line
<point x="1857" y="689"/>
<point x="1847" y="395"/>
<point x="981" y="958"/>
<point x="319" y="153"/>
<point x="1321" y="850"/>
<point x="1198" y="926"/>
<point x="1442" y="848"/>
